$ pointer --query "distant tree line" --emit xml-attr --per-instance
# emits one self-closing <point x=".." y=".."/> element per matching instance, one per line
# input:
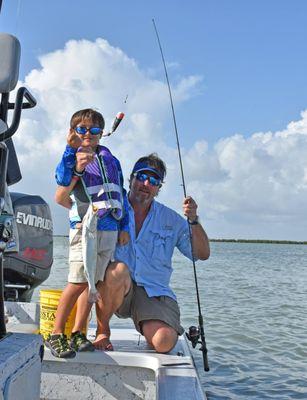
<point x="257" y="241"/>
<point x="242" y="240"/>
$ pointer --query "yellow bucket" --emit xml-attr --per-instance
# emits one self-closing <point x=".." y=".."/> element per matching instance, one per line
<point x="49" y="300"/>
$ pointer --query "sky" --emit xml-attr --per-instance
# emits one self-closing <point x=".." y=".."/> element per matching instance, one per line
<point x="238" y="76"/>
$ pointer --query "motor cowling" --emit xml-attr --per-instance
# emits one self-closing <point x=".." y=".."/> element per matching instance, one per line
<point x="31" y="265"/>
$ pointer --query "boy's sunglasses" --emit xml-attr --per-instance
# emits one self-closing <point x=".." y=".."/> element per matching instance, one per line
<point x="82" y="130"/>
<point x="140" y="176"/>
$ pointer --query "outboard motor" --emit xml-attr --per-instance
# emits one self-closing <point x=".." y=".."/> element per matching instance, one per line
<point x="28" y="268"/>
<point x="28" y="253"/>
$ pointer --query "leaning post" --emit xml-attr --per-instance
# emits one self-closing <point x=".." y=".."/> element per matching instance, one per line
<point x="4" y="232"/>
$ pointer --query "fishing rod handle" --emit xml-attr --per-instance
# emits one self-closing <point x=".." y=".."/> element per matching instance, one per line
<point x="206" y="361"/>
<point x="203" y="343"/>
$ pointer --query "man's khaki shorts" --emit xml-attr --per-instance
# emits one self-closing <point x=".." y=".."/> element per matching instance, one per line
<point x="138" y="306"/>
<point x="106" y="246"/>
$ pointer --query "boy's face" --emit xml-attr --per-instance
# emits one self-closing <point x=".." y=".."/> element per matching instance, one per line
<point x="88" y="139"/>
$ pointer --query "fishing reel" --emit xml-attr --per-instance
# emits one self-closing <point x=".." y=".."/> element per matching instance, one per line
<point x="196" y="336"/>
<point x="193" y="336"/>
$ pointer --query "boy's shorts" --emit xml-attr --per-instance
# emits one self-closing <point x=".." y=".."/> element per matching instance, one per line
<point x="106" y="242"/>
<point x="140" y="307"/>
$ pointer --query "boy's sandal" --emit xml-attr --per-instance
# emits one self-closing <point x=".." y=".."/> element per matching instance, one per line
<point x="59" y="346"/>
<point x="79" y="342"/>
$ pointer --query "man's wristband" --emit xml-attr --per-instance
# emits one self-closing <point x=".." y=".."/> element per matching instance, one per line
<point x="76" y="173"/>
<point x="194" y="222"/>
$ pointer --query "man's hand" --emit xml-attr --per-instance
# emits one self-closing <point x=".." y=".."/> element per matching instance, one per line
<point x="200" y="241"/>
<point x="73" y="140"/>
<point x="190" y="208"/>
<point x="123" y="238"/>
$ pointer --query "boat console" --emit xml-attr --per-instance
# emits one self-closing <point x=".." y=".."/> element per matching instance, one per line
<point x="29" y="244"/>
<point x="20" y="354"/>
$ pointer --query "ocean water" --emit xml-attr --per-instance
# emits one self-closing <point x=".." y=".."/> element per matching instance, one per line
<point x="254" y="304"/>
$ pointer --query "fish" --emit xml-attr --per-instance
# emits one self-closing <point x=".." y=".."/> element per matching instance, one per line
<point x="89" y="251"/>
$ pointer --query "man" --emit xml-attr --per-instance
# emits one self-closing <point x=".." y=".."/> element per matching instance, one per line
<point x="136" y="285"/>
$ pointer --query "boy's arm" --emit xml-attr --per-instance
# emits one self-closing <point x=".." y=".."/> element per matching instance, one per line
<point x="62" y="194"/>
<point x="72" y="159"/>
<point x="64" y="170"/>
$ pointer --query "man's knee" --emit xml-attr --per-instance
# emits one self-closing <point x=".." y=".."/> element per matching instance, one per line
<point x="161" y="336"/>
<point x="164" y="340"/>
<point x="117" y="274"/>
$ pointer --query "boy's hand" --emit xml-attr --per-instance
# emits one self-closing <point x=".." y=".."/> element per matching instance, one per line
<point x="123" y="238"/>
<point x="84" y="157"/>
<point x="73" y="140"/>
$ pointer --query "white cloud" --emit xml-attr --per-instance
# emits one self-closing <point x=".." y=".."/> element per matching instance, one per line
<point x="247" y="187"/>
<point x="90" y="74"/>
<point x="259" y="183"/>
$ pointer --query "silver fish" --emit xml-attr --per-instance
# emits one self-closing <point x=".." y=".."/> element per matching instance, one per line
<point x="89" y="251"/>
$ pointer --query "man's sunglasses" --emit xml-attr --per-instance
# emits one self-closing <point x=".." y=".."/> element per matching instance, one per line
<point x="82" y="130"/>
<point x="140" y="176"/>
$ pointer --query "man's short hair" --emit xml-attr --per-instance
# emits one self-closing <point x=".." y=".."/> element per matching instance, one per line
<point x="88" y="113"/>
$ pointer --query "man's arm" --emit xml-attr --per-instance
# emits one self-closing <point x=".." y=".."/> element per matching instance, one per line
<point x="124" y="222"/>
<point x="200" y="241"/>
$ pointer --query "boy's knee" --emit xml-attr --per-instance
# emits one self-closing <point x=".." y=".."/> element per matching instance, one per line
<point x="77" y="287"/>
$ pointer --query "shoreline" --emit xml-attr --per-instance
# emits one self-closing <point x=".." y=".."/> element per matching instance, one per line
<point x="267" y="241"/>
<point x="244" y="241"/>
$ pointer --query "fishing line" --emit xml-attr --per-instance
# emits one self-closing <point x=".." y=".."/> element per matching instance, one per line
<point x="200" y="317"/>
<point x="18" y="13"/>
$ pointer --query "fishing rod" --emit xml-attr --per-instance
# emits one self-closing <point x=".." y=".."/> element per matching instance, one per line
<point x="195" y="333"/>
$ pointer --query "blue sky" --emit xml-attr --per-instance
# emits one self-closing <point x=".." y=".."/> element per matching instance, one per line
<point x="250" y="54"/>
<point x="245" y="64"/>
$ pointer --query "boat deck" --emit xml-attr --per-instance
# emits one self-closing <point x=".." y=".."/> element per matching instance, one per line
<point x="133" y="371"/>
<point x="163" y="376"/>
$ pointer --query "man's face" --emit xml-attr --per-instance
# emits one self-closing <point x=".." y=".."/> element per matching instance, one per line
<point x="141" y="189"/>
<point x="88" y="139"/>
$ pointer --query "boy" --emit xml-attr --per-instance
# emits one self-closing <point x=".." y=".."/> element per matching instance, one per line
<point x="94" y="177"/>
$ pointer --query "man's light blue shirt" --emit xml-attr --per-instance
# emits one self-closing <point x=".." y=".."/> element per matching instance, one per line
<point x="149" y="255"/>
